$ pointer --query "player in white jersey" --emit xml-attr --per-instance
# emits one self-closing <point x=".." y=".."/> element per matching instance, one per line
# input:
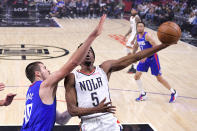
<point x="134" y="19"/>
<point x="87" y="91"/>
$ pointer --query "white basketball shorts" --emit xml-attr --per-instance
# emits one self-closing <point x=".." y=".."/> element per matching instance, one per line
<point x="131" y="38"/>
<point x="105" y="122"/>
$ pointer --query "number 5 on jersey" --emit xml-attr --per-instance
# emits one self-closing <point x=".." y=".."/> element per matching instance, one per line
<point x="94" y="99"/>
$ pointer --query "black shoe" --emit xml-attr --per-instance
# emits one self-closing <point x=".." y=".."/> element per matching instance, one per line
<point x="132" y="70"/>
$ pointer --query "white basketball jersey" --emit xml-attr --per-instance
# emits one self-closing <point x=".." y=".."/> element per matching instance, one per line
<point x="91" y="89"/>
<point x="133" y="23"/>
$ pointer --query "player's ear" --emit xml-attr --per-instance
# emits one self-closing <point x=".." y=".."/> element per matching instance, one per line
<point x="37" y="73"/>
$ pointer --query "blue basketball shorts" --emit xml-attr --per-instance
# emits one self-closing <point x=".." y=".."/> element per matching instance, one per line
<point x="153" y="63"/>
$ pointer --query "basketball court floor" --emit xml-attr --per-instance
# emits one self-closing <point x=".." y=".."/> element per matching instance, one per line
<point x="20" y="46"/>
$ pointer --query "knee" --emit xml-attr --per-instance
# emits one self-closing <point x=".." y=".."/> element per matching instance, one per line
<point x="159" y="79"/>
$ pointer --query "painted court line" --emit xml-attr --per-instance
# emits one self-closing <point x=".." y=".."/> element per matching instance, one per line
<point x="127" y="90"/>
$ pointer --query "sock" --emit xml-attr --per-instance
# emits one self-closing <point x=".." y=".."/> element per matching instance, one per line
<point x="139" y="84"/>
<point x="172" y="90"/>
<point x="135" y="65"/>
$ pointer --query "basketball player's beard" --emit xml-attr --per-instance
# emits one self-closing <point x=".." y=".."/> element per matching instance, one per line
<point x="87" y="63"/>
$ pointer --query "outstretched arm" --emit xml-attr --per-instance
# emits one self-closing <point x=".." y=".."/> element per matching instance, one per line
<point x="8" y="100"/>
<point x="71" y="98"/>
<point x="116" y="65"/>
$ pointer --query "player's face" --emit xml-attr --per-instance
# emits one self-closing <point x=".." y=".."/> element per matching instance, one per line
<point x="133" y="12"/>
<point x="140" y="28"/>
<point x="89" y="59"/>
<point x="44" y="71"/>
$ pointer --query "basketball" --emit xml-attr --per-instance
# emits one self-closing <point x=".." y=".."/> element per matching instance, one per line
<point x="169" y="32"/>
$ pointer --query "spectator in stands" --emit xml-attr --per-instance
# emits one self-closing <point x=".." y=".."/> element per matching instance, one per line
<point x="145" y="8"/>
<point x="72" y="6"/>
<point x="91" y="9"/>
<point x="110" y="7"/>
<point x="192" y="17"/>
<point x="182" y="9"/>
<point x="85" y="5"/>
<point x="61" y="8"/>
<point x="194" y="28"/>
<point x="79" y="8"/>
<point x="187" y="25"/>
<point x="58" y="9"/>
<point x="96" y="8"/>
<point x="169" y="15"/>
<point x="150" y="14"/>
<point x="118" y="9"/>
<point x="103" y="7"/>
<point x="67" y="8"/>
<point x="160" y="15"/>
<point x="195" y="20"/>
<point x="54" y="10"/>
<point x="194" y="9"/>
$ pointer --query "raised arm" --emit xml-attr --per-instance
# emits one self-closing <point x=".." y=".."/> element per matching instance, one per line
<point x="75" y="59"/>
<point x="116" y="65"/>
<point x="71" y="99"/>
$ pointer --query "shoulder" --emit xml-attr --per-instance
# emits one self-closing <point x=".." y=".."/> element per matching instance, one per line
<point x="148" y="36"/>
<point x="107" y="65"/>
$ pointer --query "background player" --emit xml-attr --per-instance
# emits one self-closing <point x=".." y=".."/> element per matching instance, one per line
<point x="145" y="41"/>
<point x="9" y="98"/>
<point x="87" y="87"/>
<point x="40" y="111"/>
<point x="134" y="19"/>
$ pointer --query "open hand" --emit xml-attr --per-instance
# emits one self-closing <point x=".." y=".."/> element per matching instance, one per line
<point x="106" y="107"/>
<point x="9" y="98"/>
<point x="99" y="28"/>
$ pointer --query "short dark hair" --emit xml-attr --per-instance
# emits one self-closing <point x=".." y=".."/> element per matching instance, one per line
<point x="90" y="48"/>
<point x="141" y="22"/>
<point x="30" y="70"/>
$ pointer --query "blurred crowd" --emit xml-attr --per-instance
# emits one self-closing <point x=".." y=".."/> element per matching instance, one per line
<point x="87" y="8"/>
<point x="183" y="12"/>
